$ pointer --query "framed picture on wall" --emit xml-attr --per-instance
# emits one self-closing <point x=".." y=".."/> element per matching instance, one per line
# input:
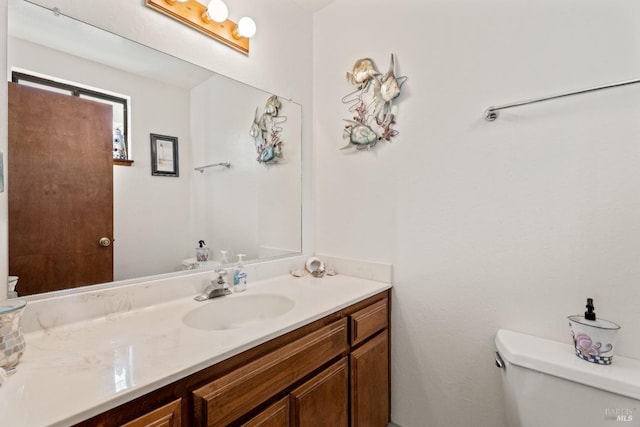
<point x="164" y="155"/>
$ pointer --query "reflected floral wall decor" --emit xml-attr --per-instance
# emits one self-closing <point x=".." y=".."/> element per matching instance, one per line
<point x="372" y="103"/>
<point x="266" y="131"/>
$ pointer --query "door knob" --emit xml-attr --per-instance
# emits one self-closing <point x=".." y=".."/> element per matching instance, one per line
<point x="104" y="242"/>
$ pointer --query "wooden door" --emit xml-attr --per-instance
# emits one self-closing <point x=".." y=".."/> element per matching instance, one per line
<point x="60" y="190"/>
<point x="370" y="383"/>
<point x="323" y="400"/>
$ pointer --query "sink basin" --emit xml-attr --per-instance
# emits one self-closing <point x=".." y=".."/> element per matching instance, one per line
<point x="237" y="311"/>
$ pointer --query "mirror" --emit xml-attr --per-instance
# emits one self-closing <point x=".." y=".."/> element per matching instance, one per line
<point x="249" y="208"/>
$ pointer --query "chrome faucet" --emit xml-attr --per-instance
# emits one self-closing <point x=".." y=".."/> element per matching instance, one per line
<point x="217" y="288"/>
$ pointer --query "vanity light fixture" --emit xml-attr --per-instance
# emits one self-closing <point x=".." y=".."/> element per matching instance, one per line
<point x="217" y="10"/>
<point x="210" y="20"/>
<point x="246" y="28"/>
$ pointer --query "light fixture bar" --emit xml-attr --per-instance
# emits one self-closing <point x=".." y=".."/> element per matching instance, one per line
<point x="190" y="13"/>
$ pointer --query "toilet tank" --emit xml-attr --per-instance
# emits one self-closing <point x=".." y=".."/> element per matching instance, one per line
<point x="546" y="385"/>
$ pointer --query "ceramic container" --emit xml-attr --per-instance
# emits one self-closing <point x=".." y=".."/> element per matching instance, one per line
<point x="202" y="254"/>
<point x="12" y="343"/>
<point x="594" y="340"/>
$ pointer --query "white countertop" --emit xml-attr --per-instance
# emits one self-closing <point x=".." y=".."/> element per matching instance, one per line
<point x="72" y="372"/>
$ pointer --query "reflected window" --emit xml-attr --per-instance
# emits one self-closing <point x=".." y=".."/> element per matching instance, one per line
<point x="119" y="104"/>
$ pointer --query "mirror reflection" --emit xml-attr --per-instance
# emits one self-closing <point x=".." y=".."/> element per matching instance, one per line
<point x="78" y="217"/>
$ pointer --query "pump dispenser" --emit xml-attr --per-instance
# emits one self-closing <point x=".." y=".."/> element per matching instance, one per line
<point x="590" y="314"/>
<point x="594" y="339"/>
<point x="240" y="275"/>
<point x="202" y="252"/>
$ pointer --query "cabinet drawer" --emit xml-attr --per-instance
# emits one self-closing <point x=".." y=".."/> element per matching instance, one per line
<point x="225" y="399"/>
<point x="368" y="321"/>
<point x="165" y="416"/>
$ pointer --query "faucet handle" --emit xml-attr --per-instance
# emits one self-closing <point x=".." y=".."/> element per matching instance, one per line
<point x="220" y="282"/>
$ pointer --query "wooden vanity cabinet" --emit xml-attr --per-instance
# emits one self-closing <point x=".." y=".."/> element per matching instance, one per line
<point x="333" y="372"/>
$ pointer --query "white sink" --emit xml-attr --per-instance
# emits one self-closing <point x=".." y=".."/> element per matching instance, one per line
<point x="237" y="311"/>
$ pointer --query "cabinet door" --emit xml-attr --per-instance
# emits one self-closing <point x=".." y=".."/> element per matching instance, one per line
<point x="165" y="416"/>
<point x="232" y="396"/>
<point x="323" y="400"/>
<point x="276" y="415"/>
<point x="370" y="383"/>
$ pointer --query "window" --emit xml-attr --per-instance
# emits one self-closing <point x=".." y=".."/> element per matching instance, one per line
<point x="120" y="108"/>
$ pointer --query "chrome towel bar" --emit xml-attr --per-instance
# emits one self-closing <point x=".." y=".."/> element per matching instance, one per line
<point x="493" y="112"/>
<point x="202" y="168"/>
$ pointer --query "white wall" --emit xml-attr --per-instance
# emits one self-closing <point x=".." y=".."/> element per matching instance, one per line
<point x="510" y="224"/>
<point x="268" y="66"/>
<point x="148" y="210"/>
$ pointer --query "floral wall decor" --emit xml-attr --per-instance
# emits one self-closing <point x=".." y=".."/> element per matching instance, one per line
<point x="266" y="131"/>
<point x="372" y="103"/>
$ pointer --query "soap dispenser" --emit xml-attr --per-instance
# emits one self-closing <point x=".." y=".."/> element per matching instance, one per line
<point x="594" y="339"/>
<point x="239" y="275"/>
<point x="202" y="252"/>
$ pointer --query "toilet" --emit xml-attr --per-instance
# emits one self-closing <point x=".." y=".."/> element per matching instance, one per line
<point x="546" y="385"/>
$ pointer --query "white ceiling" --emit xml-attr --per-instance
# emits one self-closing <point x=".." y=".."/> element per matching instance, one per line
<point x="313" y="5"/>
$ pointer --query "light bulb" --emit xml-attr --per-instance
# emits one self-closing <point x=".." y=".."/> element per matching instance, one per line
<point x="246" y="27"/>
<point x="217" y="11"/>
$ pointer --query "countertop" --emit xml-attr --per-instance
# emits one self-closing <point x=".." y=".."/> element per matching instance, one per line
<point x="72" y="372"/>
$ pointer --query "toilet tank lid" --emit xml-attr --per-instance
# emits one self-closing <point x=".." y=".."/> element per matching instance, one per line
<point x="559" y="359"/>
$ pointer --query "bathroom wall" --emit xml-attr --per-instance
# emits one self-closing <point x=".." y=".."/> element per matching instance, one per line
<point x="142" y="203"/>
<point x="271" y="65"/>
<point x="510" y="224"/>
